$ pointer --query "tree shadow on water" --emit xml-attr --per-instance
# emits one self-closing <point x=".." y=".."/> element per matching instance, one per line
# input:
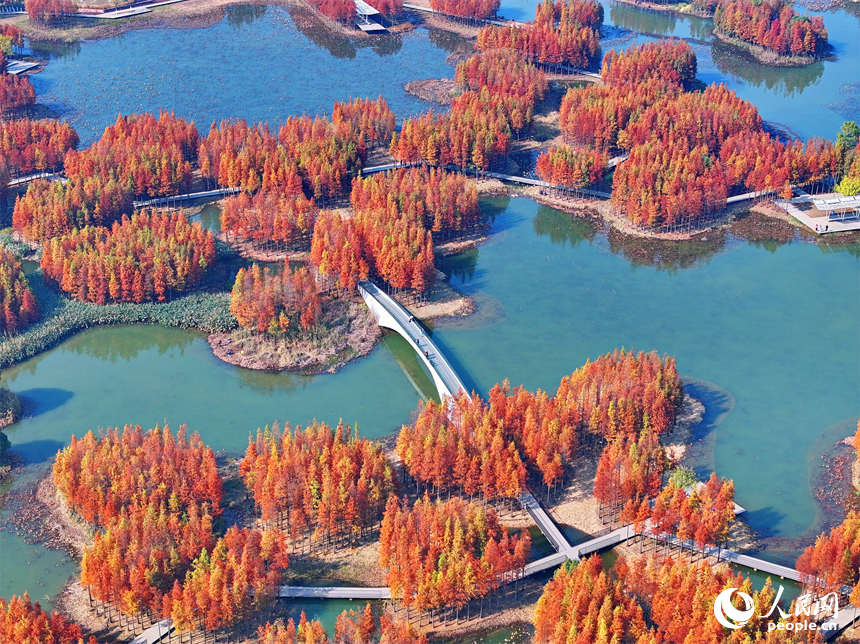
<point x="718" y="402"/>
<point x="44" y="399"/>
<point x="38" y="451"/>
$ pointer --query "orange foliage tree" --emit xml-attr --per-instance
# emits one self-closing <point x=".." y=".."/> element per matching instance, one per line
<point x="18" y="306"/>
<point x="564" y="34"/>
<point x="328" y="481"/>
<point x="275" y="303"/>
<point x="443" y="554"/>
<point x="23" y="621"/>
<point x="142" y="258"/>
<point x="774" y="25"/>
<point x="31" y="146"/>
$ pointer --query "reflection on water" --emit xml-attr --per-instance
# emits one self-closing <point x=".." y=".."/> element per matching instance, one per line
<point x="210" y="217"/>
<point x="117" y="343"/>
<point x="719" y="403"/>
<point x="450" y="41"/>
<point x="55" y="48"/>
<point x="411" y="365"/>
<point x="311" y="26"/>
<point x="784" y="81"/>
<point x="661" y="23"/>
<point x="337" y="44"/>
<point x="563" y="228"/>
<point x="238" y="15"/>
<point x="667" y="255"/>
<point x="460" y="266"/>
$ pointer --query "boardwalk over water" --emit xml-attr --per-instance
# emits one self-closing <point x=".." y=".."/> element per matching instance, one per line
<point x="391" y="315"/>
<point x="397" y="318"/>
<point x="333" y="592"/>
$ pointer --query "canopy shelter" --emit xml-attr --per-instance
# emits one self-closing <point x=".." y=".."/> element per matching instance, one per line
<point x="839" y="208"/>
<point x="365" y="11"/>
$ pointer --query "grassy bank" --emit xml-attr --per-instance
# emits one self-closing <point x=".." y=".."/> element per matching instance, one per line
<point x="62" y="317"/>
<point x="762" y="55"/>
<point x="11" y="409"/>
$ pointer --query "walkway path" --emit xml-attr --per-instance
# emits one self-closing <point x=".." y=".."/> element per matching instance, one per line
<point x="391" y="315"/>
<point x="334" y="592"/>
<point x="174" y="199"/>
<point x="542" y="184"/>
<point x="50" y="176"/>
<point x="154" y="633"/>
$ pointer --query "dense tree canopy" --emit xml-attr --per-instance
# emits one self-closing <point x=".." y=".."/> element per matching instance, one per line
<point x="688" y="150"/>
<point x="566" y="33"/>
<point x="20" y="308"/>
<point x="23" y="621"/>
<point x="389" y="237"/>
<point x="774" y="25"/>
<point x="144" y="257"/>
<point x="35" y="146"/>
<point x="328" y="482"/>
<point x="275" y="302"/>
<point x="497" y="103"/>
<point x="446" y="553"/>
<point x="467" y="8"/>
<point x="650" y="601"/>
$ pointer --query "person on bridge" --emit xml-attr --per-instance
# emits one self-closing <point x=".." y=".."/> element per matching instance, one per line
<point x="426" y="353"/>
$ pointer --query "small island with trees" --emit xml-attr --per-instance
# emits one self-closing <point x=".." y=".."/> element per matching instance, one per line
<point x="165" y="535"/>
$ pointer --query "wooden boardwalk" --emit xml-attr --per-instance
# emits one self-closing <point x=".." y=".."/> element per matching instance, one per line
<point x="154" y="633"/>
<point x="175" y="199"/>
<point x="333" y="592"/>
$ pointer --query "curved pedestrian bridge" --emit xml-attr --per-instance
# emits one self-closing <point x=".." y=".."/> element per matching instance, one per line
<point x="391" y="315"/>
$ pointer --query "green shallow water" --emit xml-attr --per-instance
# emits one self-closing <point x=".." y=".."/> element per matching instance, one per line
<point x="776" y="328"/>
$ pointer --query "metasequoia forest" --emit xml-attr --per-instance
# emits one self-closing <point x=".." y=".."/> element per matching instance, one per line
<point x="649" y="601"/>
<point x="20" y="306"/>
<point x="773" y="25"/>
<point x="138" y="259"/>
<point x="562" y="35"/>
<point x="688" y="150"/>
<point x="154" y="501"/>
<point x="330" y="484"/>
<point x="275" y="302"/>
<point x="467" y="8"/>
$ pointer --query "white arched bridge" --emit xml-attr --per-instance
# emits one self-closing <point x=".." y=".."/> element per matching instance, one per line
<point x="391" y="315"/>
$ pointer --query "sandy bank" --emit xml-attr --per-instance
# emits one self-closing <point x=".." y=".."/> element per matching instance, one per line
<point x="346" y="331"/>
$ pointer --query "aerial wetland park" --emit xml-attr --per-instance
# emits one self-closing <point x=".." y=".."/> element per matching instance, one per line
<point x="437" y="321"/>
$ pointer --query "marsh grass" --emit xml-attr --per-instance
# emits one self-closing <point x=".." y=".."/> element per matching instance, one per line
<point x="62" y="317"/>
